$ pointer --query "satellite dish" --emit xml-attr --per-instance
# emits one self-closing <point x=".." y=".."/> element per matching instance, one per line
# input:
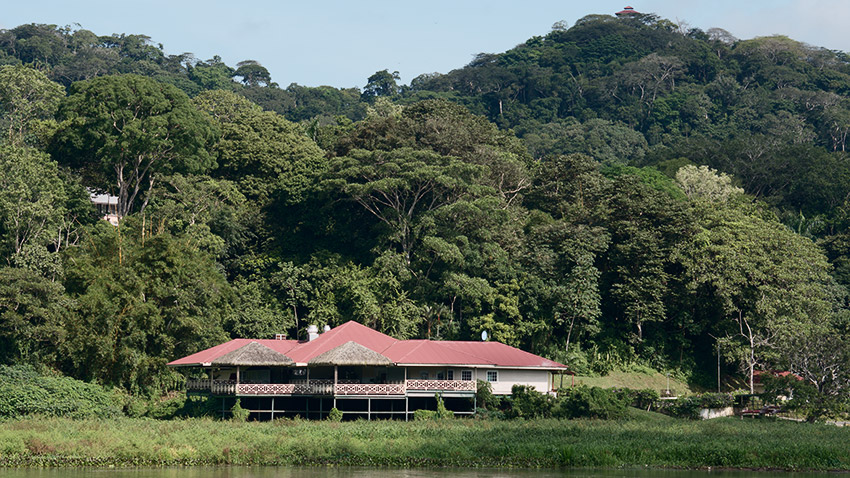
<point x="483" y="335"/>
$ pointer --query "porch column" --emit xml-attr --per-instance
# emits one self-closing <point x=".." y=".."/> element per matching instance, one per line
<point x="237" y="375"/>
<point x="308" y="377"/>
<point x="336" y="374"/>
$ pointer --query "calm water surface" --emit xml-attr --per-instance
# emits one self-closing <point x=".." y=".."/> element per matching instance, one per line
<point x="274" y="472"/>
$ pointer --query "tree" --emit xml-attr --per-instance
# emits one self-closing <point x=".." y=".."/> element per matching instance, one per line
<point x="706" y="184"/>
<point x="32" y="202"/>
<point x="212" y="74"/>
<point x="26" y="95"/>
<point x="253" y="73"/>
<point x="820" y="357"/>
<point x="141" y="298"/>
<point x="382" y="83"/>
<point x="132" y="129"/>
<point x="398" y="187"/>
<point x="33" y="313"/>
<point x="766" y="280"/>
<point x="261" y="151"/>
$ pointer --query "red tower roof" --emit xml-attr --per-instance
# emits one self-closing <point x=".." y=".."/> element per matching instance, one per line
<point x="627" y="11"/>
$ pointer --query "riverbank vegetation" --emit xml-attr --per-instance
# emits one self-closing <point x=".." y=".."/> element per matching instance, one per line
<point x="623" y="193"/>
<point x="642" y="439"/>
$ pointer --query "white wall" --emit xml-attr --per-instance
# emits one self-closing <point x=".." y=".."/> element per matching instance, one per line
<point x="507" y="378"/>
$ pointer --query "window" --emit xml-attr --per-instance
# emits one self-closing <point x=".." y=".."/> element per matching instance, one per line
<point x="492" y="375"/>
<point x="450" y="374"/>
<point x="423" y="375"/>
<point x="441" y="376"/>
<point x="466" y="374"/>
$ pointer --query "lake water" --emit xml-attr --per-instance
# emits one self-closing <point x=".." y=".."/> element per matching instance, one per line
<point x="288" y="472"/>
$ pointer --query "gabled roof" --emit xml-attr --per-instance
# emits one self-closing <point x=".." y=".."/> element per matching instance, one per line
<point x="350" y="353"/>
<point x="349" y="331"/>
<point x="205" y="357"/>
<point x="369" y="345"/>
<point x="253" y="354"/>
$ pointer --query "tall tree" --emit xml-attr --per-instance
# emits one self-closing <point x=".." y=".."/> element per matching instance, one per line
<point x="130" y="129"/>
<point x="767" y="281"/>
<point x="26" y="95"/>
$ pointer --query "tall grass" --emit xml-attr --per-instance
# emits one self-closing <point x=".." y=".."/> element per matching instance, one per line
<point x="642" y="440"/>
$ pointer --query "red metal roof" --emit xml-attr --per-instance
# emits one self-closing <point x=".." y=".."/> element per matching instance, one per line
<point x="409" y="352"/>
<point x="627" y="11"/>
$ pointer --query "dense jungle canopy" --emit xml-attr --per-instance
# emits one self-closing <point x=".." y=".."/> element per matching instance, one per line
<point x="622" y="191"/>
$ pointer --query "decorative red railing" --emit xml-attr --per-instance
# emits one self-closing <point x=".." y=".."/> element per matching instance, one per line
<point x="369" y="389"/>
<point x="326" y="387"/>
<point x="442" y="385"/>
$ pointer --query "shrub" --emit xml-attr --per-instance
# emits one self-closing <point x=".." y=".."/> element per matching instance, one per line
<point x="335" y="415"/>
<point x="23" y="391"/>
<point x="715" y="400"/>
<point x="689" y="407"/>
<point x="586" y="402"/>
<point x="484" y="396"/>
<point x="423" y="415"/>
<point x="682" y="407"/>
<point x="643" y="399"/>
<point x="239" y="414"/>
<point x="442" y="411"/>
<point x="526" y="402"/>
<point x="167" y="408"/>
<point x="488" y="414"/>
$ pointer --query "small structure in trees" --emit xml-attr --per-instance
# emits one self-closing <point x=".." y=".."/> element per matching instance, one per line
<point x="626" y="12"/>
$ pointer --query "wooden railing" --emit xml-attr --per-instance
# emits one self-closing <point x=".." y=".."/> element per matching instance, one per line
<point x="369" y="389"/>
<point x="195" y="384"/>
<point x="442" y="385"/>
<point x="326" y="387"/>
<point x="221" y="387"/>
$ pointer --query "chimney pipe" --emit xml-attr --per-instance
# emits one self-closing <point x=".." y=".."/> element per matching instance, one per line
<point x="312" y="332"/>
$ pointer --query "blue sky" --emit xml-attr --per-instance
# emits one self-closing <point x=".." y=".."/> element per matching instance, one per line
<point x="341" y="43"/>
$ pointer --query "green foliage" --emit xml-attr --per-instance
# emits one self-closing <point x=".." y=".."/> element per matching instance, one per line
<point x="550" y="444"/>
<point x="422" y="415"/>
<point x="335" y="415"/>
<point x="530" y="194"/>
<point x="643" y="399"/>
<point x="26" y="96"/>
<point x="23" y="391"/>
<point x="237" y="413"/>
<point x="526" y="402"/>
<point x="33" y="212"/>
<point x="141" y="298"/>
<point x="442" y="411"/>
<point x="589" y="402"/>
<point x="689" y="407"/>
<point x="129" y="129"/>
<point x="484" y="396"/>
<point x="33" y="311"/>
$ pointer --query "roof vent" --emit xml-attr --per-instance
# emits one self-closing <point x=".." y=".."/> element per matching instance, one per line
<point x="280" y="336"/>
<point x="326" y="328"/>
<point x="312" y="332"/>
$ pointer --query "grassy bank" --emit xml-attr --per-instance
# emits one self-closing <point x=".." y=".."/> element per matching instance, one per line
<point x="645" y="439"/>
<point x="634" y="380"/>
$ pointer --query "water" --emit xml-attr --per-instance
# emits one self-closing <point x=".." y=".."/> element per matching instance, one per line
<point x="318" y="472"/>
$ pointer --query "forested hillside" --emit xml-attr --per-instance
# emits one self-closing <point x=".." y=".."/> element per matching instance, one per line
<point x="620" y="192"/>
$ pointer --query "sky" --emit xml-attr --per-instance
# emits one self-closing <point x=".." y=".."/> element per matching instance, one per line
<point x="342" y="42"/>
